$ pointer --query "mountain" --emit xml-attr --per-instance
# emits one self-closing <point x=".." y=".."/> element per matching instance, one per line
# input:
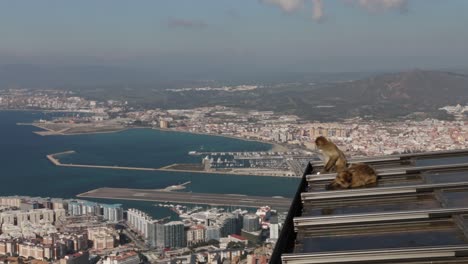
<point x="383" y="96"/>
<point x="397" y="94"/>
<point x="414" y="86"/>
<point x="319" y="97"/>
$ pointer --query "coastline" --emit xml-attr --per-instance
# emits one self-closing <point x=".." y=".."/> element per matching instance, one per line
<point x="274" y="146"/>
<point x="58" y="133"/>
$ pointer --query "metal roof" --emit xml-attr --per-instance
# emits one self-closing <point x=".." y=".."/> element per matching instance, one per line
<point x="418" y="213"/>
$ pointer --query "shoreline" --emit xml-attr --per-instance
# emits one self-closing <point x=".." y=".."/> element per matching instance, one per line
<point x="275" y="147"/>
<point x="58" y="133"/>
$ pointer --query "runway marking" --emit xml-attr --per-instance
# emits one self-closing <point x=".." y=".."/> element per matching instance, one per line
<point x="187" y="198"/>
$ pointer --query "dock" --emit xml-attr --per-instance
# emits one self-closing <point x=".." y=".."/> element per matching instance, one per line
<point x="53" y="158"/>
<point x="154" y="195"/>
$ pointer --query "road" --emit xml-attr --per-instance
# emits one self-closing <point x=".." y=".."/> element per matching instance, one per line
<point x="296" y="167"/>
<point x="188" y="198"/>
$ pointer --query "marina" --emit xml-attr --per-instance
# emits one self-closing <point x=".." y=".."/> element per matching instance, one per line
<point x="53" y="158"/>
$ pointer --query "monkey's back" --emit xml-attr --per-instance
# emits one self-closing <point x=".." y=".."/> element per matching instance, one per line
<point x="363" y="174"/>
<point x="342" y="162"/>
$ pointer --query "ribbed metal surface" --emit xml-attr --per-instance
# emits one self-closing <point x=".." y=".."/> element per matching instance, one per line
<point x="332" y="217"/>
<point x="376" y="255"/>
<point x="378" y="217"/>
<point x="308" y="196"/>
<point x="388" y="172"/>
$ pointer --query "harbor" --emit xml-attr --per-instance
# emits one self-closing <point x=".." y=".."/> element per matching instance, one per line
<point x="53" y="158"/>
<point x="192" y="168"/>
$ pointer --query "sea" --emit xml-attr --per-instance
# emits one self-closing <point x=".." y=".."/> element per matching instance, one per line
<point x="25" y="170"/>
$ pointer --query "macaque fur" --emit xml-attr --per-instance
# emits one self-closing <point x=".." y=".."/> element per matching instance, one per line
<point x="356" y="176"/>
<point x="334" y="157"/>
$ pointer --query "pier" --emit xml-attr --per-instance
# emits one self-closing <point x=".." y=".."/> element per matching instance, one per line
<point x="153" y="195"/>
<point x="53" y="158"/>
<point x="249" y="153"/>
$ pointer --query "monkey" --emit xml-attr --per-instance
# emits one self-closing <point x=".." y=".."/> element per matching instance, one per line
<point x="357" y="175"/>
<point x="334" y="157"/>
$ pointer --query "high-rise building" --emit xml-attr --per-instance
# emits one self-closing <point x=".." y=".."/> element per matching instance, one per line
<point x="155" y="233"/>
<point x="251" y="223"/>
<point x="159" y="235"/>
<point x="74" y="208"/>
<point x="112" y="212"/>
<point x="28" y="205"/>
<point x="139" y="221"/>
<point x="89" y="208"/>
<point x="174" y="234"/>
<point x="228" y="223"/>
<point x="195" y="234"/>
<point x="274" y="228"/>
<point x="14" y="201"/>
<point x="213" y="233"/>
<point x="152" y="230"/>
<point x="59" y="214"/>
<point x="163" y="124"/>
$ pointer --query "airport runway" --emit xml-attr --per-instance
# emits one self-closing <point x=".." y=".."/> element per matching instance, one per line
<point x="187" y="197"/>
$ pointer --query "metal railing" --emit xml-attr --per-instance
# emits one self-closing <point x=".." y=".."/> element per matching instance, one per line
<point x="354" y="193"/>
<point x="403" y="157"/>
<point x="372" y="256"/>
<point x="389" y="172"/>
<point x="287" y="238"/>
<point x="384" y="217"/>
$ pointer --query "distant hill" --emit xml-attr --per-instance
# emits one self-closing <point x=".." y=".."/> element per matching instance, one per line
<point x="420" y="87"/>
<point x="398" y="94"/>
<point x="386" y="96"/>
<point x="323" y="97"/>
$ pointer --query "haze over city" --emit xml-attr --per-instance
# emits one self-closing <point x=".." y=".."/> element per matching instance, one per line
<point x="184" y="37"/>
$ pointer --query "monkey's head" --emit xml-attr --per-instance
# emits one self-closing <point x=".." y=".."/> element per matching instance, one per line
<point x="320" y="141"/>
<point x="342" y="181"/>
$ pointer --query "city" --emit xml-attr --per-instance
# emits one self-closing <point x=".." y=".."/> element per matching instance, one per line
<point x="358" y="137"/>
<point x="72" y="231"/>
<point x="233" y="132"/>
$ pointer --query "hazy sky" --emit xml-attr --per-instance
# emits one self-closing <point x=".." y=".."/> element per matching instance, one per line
<point x="295" y="35"/>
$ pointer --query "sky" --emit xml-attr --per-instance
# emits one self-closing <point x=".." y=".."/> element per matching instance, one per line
<point x="237" y="35"/>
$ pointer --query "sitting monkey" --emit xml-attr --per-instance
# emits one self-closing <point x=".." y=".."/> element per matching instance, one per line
<point x="334" y="157"/>
<point x="357" y="175"/>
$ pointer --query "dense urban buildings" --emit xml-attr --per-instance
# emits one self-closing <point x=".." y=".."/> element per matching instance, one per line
<point x="74" y="231"/>
<point x="357" y="136"/>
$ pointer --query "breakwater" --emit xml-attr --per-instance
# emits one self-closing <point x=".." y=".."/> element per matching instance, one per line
<point x="53" y="158"/>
